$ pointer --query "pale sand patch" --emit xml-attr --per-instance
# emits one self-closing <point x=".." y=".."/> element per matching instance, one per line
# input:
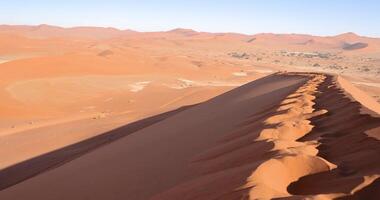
<point x="72" y="89"/>
<point x="264" y="71"/>
<point x="240" y="74"/>
<point x="138" y="86"/>
<point x="185" y="83"/>
<point x="108" y="99"/>
<point x="3" y="61"/>
<point x="367" y="84"/>
<point x="370" y="105"/>
<point x="374" y="133"/>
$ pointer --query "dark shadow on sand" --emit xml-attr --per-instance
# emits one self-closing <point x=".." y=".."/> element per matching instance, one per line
<point x="29" y="168"/>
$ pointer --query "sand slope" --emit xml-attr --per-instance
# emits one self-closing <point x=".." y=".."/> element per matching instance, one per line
<point x="285" y="136"/>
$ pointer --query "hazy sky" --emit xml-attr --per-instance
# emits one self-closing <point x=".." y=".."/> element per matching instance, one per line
<point x="319" y="17"/>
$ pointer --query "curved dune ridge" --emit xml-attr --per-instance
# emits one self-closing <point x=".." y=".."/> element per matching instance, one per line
<point x="284" y="136"/>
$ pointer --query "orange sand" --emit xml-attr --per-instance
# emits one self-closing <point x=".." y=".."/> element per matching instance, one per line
<point x="101" y="113"/>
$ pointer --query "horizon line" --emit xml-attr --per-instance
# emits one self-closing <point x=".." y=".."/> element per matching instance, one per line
<point x="190" y="29"/>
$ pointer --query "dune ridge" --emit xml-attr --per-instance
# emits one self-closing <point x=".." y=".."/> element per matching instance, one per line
<point x="271" y="136"/>
<point x="285" y="136"/>
<point x="293" y="150"/>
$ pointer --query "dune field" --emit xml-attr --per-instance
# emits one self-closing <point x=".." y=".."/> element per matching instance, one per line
<point x="101" y="113"/>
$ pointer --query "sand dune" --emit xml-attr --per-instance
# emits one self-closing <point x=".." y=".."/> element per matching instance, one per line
<point x="119" y="114"/>
<point x="284" y="136"/>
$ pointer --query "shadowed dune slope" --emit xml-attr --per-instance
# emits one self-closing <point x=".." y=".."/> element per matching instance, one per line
<point x="22" y="171"/>
<point x="284" y="136"/>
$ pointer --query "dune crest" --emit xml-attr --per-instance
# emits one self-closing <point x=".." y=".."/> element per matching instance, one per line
<point x="288" y="156"/>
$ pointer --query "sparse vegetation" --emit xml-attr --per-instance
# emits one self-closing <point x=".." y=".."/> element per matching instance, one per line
<point x="105" y="53"/>
<point x="251" y="40"/>
<point x="307" y="54"/>
<point x="364" y="69"/>
<point x="197" y="63"/>
<point x="354" y="46"/>
<point x="239" y="55"/>
<point x="335" y="67"/>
